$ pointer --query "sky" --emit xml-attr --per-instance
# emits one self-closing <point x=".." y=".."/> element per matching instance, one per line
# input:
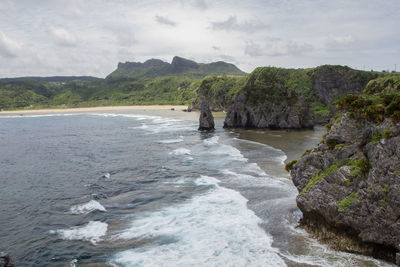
<point x="90" y="37"/>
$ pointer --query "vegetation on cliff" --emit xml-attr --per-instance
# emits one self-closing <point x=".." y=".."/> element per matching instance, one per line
<point x="350" y="183"/>
<point x="219" y="91"/>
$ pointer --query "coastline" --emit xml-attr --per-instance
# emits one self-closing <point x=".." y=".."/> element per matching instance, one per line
<point x="92" y="109"/>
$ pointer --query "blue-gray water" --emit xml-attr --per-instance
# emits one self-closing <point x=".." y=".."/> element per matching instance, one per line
<point x="147" y="190"/>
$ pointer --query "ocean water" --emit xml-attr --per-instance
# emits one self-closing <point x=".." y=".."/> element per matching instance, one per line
<point x="148" y="189"/>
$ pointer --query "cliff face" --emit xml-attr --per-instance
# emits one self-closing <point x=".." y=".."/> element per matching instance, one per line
<point x="218" y="91"/>
<point x="328" y="82"/>
<point x="269" y="114"/>
<point x="271" y="98"/>
<point x="349" y="185"/>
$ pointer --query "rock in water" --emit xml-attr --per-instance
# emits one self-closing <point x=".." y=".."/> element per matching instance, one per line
<point x="206" y="118"/>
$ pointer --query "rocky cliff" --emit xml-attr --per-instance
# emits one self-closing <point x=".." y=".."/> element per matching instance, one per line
<point x="269" y="100"/>
<point x="219" y="92"/>
<point x="329" y="81"/>
<point x="350" y="184"/>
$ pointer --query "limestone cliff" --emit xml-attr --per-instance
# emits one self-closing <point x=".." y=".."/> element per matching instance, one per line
<point x="350" y="184"/>
<point x="269" y="100"/>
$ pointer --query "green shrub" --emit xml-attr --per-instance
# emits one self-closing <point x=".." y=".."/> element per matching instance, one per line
<point x="289" y="166"/>
<point x="359" y="168"/>
<point x="376" y="137"/>
<point x="346" y="202"/>
<point x="387" y="134"/>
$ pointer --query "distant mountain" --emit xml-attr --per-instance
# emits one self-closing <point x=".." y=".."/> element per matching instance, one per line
<point x="178" y="67"/>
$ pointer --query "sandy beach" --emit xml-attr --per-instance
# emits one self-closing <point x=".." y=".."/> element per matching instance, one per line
<point x="93" y="109"/>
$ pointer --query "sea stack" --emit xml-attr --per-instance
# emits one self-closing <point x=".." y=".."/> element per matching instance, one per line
<point x="206" y="118"/>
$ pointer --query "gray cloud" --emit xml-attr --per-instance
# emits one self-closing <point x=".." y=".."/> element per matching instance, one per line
<point x="8" y="47"/>
<point x="253" y="32"/>
<point x="202" y="4"/>
<point x="165" y="21"/>
<point x="232" y="24"/>
<point x="252" y="49"/>
<point x="199" y="4"/>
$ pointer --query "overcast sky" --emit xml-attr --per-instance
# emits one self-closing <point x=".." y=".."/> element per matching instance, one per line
<point x="89" y="37"/>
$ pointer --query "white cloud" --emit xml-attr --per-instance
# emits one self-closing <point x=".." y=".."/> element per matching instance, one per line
<point x="254" y="33"/>
<point x="232" y="24"/>
<point x="8" y="47"/>
<point x="63" y="37"/>
<point x="276" y="48"/>
<point x="341" y="42"/>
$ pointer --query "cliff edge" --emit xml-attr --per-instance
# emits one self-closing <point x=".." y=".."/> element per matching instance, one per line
<point x="350" y="184"/>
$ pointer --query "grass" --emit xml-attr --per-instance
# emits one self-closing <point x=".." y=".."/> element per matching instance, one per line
<point x="346" y="202"/>
<point x="318" y="176"/>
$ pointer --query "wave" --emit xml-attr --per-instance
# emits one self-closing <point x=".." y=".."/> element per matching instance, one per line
<point x="92" y="205"/>
<point x="211" y="141"/>
<point x="171" y="141"/>
<point x="180" y="151"/>
<point x="212" y="229"/>
<point x="227" y="150"/>
<point x="92" y="232"/>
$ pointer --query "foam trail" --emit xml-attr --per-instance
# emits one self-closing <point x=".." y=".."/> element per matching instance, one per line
<point x="92" y="232"/>
<point x="211" y="229"/>
<point x="92" y="205"/>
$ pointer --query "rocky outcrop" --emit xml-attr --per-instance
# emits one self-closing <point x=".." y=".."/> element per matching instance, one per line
<point x="329" y="81"/>
<point x="282" y="115"/>
<point x="206" y="119"/>
<point x="218" y="91"/>
<point x="350" y="187"/>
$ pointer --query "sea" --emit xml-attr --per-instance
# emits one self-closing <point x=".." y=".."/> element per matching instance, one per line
<point x="146" y="188"/>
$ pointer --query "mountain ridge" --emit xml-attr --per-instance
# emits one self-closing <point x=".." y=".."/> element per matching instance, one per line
<point x="179" y="66"/>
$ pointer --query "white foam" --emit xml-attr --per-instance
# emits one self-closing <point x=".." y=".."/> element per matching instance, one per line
<point x="282" y="159"/>
<point x="227" y="150"/>
<point x="180" y="151"/>
<point x="92" y="205"/>
<point x="207" y="180"/>
<point x="211" y="229"/>
<point x="92" y="232"/>
<point x="171" y="141"/>
<point x="254" y="168"/>
<point x="211" y="141"/>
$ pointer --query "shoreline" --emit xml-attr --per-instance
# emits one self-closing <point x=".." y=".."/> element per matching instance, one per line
<point x="92" y="109"/>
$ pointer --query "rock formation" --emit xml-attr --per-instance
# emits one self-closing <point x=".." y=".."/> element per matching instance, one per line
<point x="329" y="81"/>
<point x="206" y="118"/>
<point x="268" y="101"/>
<point x="349" y="186"/>
<point x="282" y="115"/>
